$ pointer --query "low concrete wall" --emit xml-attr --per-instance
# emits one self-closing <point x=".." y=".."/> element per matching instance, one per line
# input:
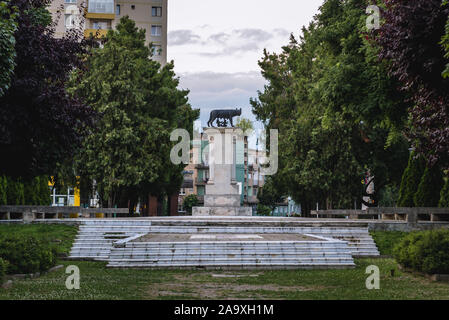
<point x="385" y="225"/>
<point x="30" y="213"/>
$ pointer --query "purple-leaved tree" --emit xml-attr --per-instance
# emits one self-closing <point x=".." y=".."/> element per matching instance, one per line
<point x="410" y="38"/>
<point x="40" y="124"/>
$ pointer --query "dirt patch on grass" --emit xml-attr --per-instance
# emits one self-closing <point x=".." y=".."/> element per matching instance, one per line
<point x="206" y="288"/>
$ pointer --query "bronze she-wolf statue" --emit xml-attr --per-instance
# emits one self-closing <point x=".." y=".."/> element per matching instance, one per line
<point x="224" y="115"/>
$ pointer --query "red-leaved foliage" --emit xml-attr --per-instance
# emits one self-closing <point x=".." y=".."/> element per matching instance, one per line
<point x="410" y="39"/>
<point x="40" y="124"/>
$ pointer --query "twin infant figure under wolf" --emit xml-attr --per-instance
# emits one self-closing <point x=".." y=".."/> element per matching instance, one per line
<point x="225" y="116"/>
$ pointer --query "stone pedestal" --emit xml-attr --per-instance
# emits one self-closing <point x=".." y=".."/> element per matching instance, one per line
<point x="222" y="196"/>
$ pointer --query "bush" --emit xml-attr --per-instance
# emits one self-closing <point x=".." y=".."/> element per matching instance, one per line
<point x="428" y="193"/>
<point x="3" y="267"/>
<point x="386" y="241"/>
<point x="263" y="210"/>
<point x="425" y="251"/>
<point x="26" y="254"/>
<point x="189" y="202"/>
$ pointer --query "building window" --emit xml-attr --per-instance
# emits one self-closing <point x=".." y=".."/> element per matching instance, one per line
<point x="117" y="10"/>
<point x="70" y="1"/>
<point x="156" y="31"/>
<point x="133" y="7"/>
<point x="101" y="6"/>
<point x="156" y="11"/>
<point x="69" y="21"/>
<point x="99" y="25"/>
<point x="157" y="50"/>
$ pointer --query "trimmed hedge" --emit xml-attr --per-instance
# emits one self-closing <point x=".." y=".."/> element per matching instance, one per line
<point x="425" y="251"/>
<point x="26" y="254"/>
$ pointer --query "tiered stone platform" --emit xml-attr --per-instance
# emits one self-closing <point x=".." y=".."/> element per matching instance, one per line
<point x="223" y="243"/>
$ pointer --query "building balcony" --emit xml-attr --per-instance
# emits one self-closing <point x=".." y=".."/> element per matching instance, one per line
<point x="101" y="9"/>
<point x="187" y="183"/>
<point x="96" y="33"/>
<point x="103" y="16"/>
<point x="201" y="182"/>
<point x="252" y="200"/>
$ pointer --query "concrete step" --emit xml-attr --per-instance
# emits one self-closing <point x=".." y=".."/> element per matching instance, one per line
<point x="223" y="261"/>
<point x="237" y="266"/>
<point x="133" y="257"/>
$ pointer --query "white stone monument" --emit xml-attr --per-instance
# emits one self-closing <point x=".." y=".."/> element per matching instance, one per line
<point x="222" y="197"/>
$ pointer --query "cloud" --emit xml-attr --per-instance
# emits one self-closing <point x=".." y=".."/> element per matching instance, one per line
<point x="212" y="90"/>
<point x="282" y="32"/>
<point x="252" y="34"/>
<point x="182" y="37"/>
<point x="221" y="37"/>
<point x="226" y="43"/>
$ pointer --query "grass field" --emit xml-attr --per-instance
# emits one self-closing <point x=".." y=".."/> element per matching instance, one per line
<point x="98" y="282"/>
<point x="59" y="236"/>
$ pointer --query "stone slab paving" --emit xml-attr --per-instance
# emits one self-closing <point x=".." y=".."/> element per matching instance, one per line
<point x="176" y="237"/>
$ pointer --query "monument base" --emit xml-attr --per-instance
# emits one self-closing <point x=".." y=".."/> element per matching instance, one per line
<point x="222" y="211"/>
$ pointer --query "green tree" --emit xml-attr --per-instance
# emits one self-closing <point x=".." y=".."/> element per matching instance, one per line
<point x="445" y="43"/>
<point x="128" y="153"/>
<point x="31" y="192"/>
<point x="270" y="195"/>
<point x="444" y="195"/>
<point x="15" y="192"/>
<point x="245" y="124"/>
<point x="428" y="193"/>
<point x="8" y="26"/>
<point x="337" y="111"/>
<point x="189" y="202"/>
<point x="410" y="181"/>
<point x="3" y="191"/>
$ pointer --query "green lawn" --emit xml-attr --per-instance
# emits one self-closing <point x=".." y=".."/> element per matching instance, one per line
<point x="98" y="282"/>
<point x="58" y="235"/>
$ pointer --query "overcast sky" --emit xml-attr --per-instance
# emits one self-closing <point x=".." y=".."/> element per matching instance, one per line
<point x="216" y="45"/>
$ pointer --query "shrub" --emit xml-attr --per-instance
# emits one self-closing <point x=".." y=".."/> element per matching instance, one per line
<point x="26" y="254"/>
<point x="263" y="210"/>
<point x="425" y="251"/>
<point x="3" y="267"/>
<point x="387" y="240"/>
<point x="428" y="193"/>
<point x="189" y="202"/>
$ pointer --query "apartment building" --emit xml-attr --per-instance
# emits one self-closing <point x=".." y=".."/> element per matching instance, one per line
<point x="102" y="15"/>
